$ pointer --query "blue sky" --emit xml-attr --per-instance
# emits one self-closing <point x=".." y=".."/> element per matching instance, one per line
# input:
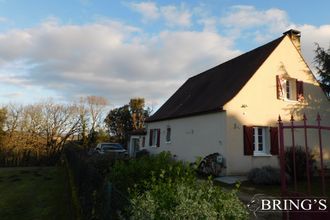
<point x="122" y="49"/>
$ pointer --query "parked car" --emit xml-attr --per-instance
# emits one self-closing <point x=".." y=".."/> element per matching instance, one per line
<point x="111" y="148"/>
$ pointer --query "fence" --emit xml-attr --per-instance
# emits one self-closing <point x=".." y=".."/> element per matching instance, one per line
<point x="305" y="127"/>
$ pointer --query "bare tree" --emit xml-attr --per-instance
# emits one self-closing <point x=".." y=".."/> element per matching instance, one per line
<point x="96" y="107"/>
<point x="59" y="123"/>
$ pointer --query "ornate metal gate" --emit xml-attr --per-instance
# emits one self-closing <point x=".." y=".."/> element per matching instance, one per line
<point x="290" y="129"/>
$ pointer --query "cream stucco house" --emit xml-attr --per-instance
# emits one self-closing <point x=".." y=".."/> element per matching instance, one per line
<point x="233" y="108"/>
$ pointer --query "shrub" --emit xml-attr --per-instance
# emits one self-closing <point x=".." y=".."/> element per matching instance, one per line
<point x="300" y="160"/>
<point x="142" y="153"/>
<point x="266" y="175"/>
<point x="186" y="198"/>
<point x="135" y="172"/>
<point x="89" y="178"/>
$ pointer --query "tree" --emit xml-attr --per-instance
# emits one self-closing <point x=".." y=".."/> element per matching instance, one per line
<point x="3" y="115"/>
<point x="123" y="120"/>
<point x="322" y="59"/>
<point x="139" y="114"/>
<point x="119" y="123"/>
<point x="96" y="106"/>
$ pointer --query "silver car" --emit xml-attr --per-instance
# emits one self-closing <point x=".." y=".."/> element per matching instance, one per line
<point x="115" y="148"/>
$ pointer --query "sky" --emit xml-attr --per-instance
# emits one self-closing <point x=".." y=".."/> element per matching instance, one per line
<point x="67" y="49"/>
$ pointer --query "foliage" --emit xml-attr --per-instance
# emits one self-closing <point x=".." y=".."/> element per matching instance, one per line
<point x="138" y="112"/>
<point x="133" y="173"/>
<point x="185" y="198"/>
<point x="119" y="123"/>
<point x="142" y="153"/>
<point x="266" y="175"/>
<point x="89" y="177"/>
<point x="162" y="188"/>
<point x="322" y="60"/>
<point x="123" y="120"/>
<point x="300" y="162"/>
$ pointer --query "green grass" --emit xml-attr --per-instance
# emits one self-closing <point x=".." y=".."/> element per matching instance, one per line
<point x="34" y="193"/>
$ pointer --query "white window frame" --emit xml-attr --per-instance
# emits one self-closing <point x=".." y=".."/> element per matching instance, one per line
<point x="154" y="137"/>
<point x="168" y="135"/>
<point x="265" y="141"/>
<point x="289" y="88"/>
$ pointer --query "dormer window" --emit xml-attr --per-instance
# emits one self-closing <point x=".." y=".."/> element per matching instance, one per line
<point x="289" y="89"/>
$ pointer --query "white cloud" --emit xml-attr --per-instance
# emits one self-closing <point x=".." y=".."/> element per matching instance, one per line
<point x="261" y="25"/>
<point x="3" y="20"/>
<point x="148" y="10"/>
<point x="309" y="36"/>
<point x="107" y="58"/>
<point x="246" y="16"/>
<point x="175" y="16"/>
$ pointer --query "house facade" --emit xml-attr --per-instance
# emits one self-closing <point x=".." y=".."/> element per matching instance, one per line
<point x="233" y="108"/>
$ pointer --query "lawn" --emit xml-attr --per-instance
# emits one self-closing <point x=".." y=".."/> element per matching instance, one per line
<point x="34" y="193"/>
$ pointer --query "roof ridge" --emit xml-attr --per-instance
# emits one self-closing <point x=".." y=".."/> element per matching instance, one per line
<point x="210" y="90"/>
<point x="239" y="56"/>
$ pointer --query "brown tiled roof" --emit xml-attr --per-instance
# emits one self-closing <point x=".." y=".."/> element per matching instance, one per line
<point x="209" y="91"/>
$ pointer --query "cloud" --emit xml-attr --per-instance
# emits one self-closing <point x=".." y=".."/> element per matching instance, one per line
<point x="246" y="16"/>
<point x="246" y="22"/>
<point x="261" y="25"/>
<point x="107" y="58"/>
<point x="173" y="15"/>
<point x="3" y="20"/>
<point x="148" y="10"/>
<point x="309" y="36"/>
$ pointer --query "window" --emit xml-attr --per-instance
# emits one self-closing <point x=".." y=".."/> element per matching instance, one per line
<point x="154" y="137"/>
<point x="168" y="135"/>
<point x="143" y="141"/>
<point x="289" y="89"/>
<point x="260" y="141"/>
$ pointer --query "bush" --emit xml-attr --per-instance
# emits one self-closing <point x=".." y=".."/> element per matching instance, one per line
<point x="142" y="153"/>
<point x="89" y="178"/>
<point x="300" y="160"/>
<point x="266" y="175"/>
<point x="127" y="174"/>
<point x="186" y="198"/>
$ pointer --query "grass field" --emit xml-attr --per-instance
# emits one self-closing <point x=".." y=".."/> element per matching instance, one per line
<point x="34" y="193"/>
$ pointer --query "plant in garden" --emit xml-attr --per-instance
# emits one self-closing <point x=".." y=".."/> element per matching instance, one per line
<point x="265" y="175"/>
<point x="300" y="162"/>
<point x="185" y="198"/>
<point x="127" y="174"/>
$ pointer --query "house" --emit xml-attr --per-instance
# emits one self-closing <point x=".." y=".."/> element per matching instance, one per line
<point x="233" y="108"/>
<point x="136" y="141"/>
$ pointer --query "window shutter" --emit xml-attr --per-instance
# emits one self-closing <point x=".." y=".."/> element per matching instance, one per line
<point x="158" y="137"/>
<point x="150" y="137"/>
<point x="273" y="140"/>
<point x="300" y="90"/>
<point x="279" y="89"/>
<point x="248" y="140"/>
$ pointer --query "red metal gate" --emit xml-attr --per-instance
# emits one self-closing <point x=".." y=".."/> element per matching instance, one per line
<point x="286" y="193"/>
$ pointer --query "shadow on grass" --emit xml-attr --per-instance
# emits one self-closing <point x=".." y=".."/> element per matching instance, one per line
<point x="34" y="193"/>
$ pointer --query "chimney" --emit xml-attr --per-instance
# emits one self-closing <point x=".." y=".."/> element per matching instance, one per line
<point x="294" y="35"/>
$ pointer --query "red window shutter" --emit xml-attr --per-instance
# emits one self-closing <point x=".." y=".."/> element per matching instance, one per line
<point x="273" y="140"/>
<point x="248" y="140"/>
<point x="150" y="136"/>
<point x="158" y="137"/>
<point x="300" y="90"/>
<point x="279" y="90"/>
